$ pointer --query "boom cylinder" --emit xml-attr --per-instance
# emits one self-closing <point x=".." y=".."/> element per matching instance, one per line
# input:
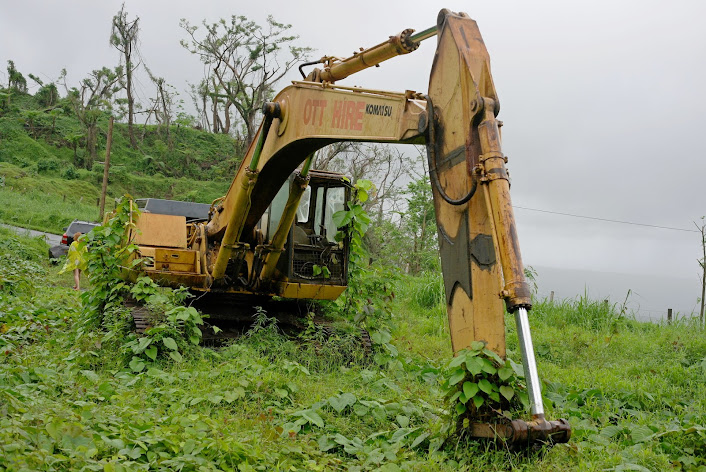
<point x="402" y="43"/>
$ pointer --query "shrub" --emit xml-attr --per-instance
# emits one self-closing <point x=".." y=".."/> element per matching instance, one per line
<point x="70" y="173"/>
<point x="47" y="165"/>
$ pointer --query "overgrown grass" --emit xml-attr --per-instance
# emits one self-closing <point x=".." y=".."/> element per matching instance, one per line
<point x="634" y="392"/>
<point x="49" y="203"/>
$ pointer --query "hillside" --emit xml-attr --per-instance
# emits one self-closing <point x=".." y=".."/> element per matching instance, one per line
<point x="47" y="178"/>
<point x="635" y="393"/>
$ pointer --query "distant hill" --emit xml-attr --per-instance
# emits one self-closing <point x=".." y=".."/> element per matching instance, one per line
<point x="47" y="178"/>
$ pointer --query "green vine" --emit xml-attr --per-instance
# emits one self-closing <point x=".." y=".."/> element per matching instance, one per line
<point x="108" y="253"/>
<point x="368" y="297"/>
<point x="175" y="328"/>
<point x="479" y="386"/>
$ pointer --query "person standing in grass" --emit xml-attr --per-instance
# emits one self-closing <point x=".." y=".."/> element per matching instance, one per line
<point x="76" y="260"/>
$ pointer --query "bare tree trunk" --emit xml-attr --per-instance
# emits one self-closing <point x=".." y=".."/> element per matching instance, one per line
<point x="226" y="128"/>
<point x="205" y="114"/>
<point x="91" y="138"/>
<point x="216" y="118"/>
<point x="130" y="106"/>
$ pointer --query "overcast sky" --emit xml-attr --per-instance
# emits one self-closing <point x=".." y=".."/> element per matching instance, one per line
<point x="604" y="102"/>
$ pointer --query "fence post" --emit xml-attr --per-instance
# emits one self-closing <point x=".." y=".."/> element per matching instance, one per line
<point x="669" y="316"/>
<point x="551" y="296"/>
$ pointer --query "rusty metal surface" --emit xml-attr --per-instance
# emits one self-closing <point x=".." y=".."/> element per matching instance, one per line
<point x="519" y="432"/>
<point x="460" y="76"/>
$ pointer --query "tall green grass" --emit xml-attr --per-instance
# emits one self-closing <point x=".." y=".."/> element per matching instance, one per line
<point x="634" y="393"/>
<point x="49" y="203"/>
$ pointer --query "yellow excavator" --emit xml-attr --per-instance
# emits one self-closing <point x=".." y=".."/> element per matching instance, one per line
<point x="272" y="234"/>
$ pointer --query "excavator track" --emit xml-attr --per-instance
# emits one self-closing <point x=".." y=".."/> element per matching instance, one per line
<point x="235" y="319"/>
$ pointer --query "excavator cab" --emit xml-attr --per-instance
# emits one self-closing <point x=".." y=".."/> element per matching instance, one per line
<point x="312" y="252"/>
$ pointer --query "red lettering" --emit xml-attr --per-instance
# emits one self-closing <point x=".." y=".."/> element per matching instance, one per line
<point x="337" y="114"/>
<point x="347" y="115"/>
<point x="322" y="105"/>
<point x="350" y="115"/>
<point x="357" y="123"/>
<point x="307" y="111"/>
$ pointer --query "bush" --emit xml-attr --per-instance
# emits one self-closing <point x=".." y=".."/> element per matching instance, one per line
<point x="47" y="165"/>
<point x="70" y="173"/>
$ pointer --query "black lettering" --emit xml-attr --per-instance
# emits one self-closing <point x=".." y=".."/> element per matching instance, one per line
<point x="379" y="110"/>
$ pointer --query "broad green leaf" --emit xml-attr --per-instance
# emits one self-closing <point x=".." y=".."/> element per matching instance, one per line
<point x="151" y="352"/>
<point x="507" y="391"/>
<point x="457" y="361"/>
<point x="610" y="431"/>
<point x="312" y="417"/>
<point x="485" y="385"/>
<point x="144" y="342"/>
<point x="470" y="389"/>
<point x="519" y="370"/>
<point x="488" y="367"/>
<point x="342" y="218"/>
<point x="325" y="443"/>
<point x="456" y="377"/>
<point x="474" y="365"/>
<point x="641" y="433"/>
<point x="170" y="343"/>
<point x="505" y="373"/>
<point x="419" y="440"/>
<point x="478" y="401"/>
<point x="402" y="420"/>
<point x="137" y="364"/>
<point x="341" y="402"/>
<point x="477" y="345"/>
<point x="493" y="355"/>
<point x="460" y="408"/>
<point x="90" y="375"/>
<point x="176" y="356"/>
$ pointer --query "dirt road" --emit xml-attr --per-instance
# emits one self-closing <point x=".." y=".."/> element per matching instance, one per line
<point x="50" y="238"/>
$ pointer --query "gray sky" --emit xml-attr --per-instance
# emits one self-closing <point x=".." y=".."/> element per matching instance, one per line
<point x="603" y="102"/>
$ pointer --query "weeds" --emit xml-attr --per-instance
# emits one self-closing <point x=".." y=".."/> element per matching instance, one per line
<point x="633" y="392"/>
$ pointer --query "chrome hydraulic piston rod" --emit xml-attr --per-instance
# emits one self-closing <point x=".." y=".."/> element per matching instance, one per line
<point x="531" y="375"/>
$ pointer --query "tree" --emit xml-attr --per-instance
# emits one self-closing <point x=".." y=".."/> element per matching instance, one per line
<point x="420" y="223"/>
<point x="16" y="80"/>
<point x="245" y="61"/>
<point x="47" y="95"/>
<point x="702" y="264"/>
<point x="123" y="37"/>
<point x="90" y="100"/>
<point x="162" y="104"/>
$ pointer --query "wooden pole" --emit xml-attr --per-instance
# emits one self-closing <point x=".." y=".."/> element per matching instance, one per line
<point x="551" y="296"/>
<point x="669" y="316"/>
<point x="105" y="169"/>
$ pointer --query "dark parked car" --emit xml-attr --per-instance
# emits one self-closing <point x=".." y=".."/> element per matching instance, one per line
<point x="67" y="238"/>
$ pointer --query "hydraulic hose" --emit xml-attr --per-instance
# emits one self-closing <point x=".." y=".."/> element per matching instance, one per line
<point x="431" y="161"/>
